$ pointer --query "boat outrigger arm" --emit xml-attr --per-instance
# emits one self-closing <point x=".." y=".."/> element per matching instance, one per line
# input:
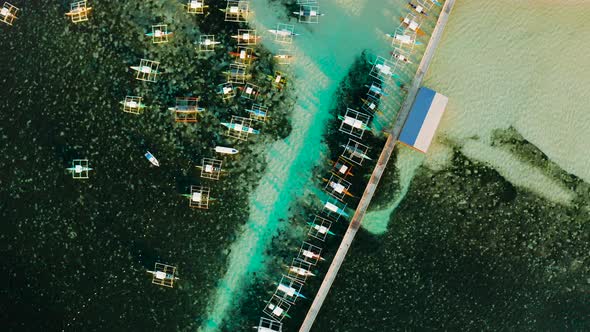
<point x="78" y="10"/>
<point x="321" y="229"/>
<point x="194" y="4"/>
<point x="419" y="9"/>
<point x="337" y="187"/>
<point x="133" y="104"/>
<point x="186" y="109"/>
<point x="243" y="55"/>
<point x="308" y="13"/>
<point x="336" y="209"/>
<point x="400" y="57"/>
<point x="238" y="127"/>
<point x="257" y="112"/>
<point x="144" y="69"/>
<point x="356" y="152"/>
<point x="354" y="122"/>
<point x="163" y="275"/>
<point x="208" y="42"/>
<point x="283" y="32"/>
<point x="78" y="169"/>
<point x="312" y="255"/>
<point x="377" y="90"/>
<point x="283" y="56"/>
<point x="159" y="33"/>
<point x="289" y="290"/>
<point x="301" y="271"/>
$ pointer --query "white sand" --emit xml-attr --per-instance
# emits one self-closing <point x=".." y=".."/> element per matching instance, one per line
<point x="514" y="63"/>
<point x="531" y="73"/>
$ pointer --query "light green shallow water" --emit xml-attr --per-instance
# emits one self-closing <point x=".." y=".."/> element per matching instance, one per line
<point x="324" y="53"/>
<point x="524" y="64"/>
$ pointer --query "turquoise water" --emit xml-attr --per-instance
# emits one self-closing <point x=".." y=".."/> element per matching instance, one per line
<point x="324" y="52"/>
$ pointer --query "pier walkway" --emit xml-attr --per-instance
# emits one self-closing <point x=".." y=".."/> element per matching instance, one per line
<point x="355" y="223"/>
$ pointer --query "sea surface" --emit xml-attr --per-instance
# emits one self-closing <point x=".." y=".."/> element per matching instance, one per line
<point x="76" y="253"/>
<point x="323" y="55"/>
<point x="512" y="64"/>
<point x="489" y="230"/>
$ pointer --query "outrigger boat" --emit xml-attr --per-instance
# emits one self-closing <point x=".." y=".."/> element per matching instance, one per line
<point x="78" y="11"/>
<point x="356" y="152"/>
<point x="197" y="197"/>
<point x="384" y="69"/>
<point x="159" y="33"/>
<point x="277" y="312"/>
<point x="239" y="127"/>
<point x="308" y="13"/>
<point x="412" y="25"/>
<point x="132" y="104"/>
<point x="283" y="56"/>
<point x="312" y="255"/>
<point x="257" y="112"/>
<point x="211" y="169"/>
<point x="242" y="55"/>
<point x="419" y="9"/>
<point x="278" y="79"/>
<point x="251" y="91"/>
<point x="6" y="12"/>
<point x="250" y="38"/>
<point x="149" y="156"/>
<point x="341" y="168"/>
<point x="145" y="69"/>
<point x="283" y="32"/>
<point x="225" y="150"/>
<point x="301" y="271"/>
<point x="400" y="57"/>
<point x="335" y="208"/>
<point x="236" y="71"/>
<point x="353" y="122"/>
<point x="194" y="4"/>
<point x="208" y="42"/>
<point x="338" y="187"/>
<point x="404" y="39"/>
<point x="289" y="291"/>
<point x="376" y="90"/>
<point x="321" y="229"/>
<point x="161" y="275"/>
<point x="186" y="109"/>
<point x="371" y="105"/>
<point x="78" y="169"/>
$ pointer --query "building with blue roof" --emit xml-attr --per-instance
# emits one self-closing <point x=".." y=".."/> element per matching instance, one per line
<point x="423" y="120"/>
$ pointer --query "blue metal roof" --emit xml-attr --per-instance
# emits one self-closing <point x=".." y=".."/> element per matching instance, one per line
<point x="417" y="115"/>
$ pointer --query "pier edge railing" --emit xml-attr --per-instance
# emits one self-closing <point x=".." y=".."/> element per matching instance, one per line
<point x="357" y="218"/>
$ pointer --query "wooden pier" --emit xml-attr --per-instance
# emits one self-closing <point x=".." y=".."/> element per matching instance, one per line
<point x="355" y="223"/>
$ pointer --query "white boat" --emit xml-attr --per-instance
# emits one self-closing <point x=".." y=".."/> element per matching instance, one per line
<point x="149" y="156"/>
<point x="283" y="32"/>
<point x="208" y="42"/>
<point x="225" y="150"/>
<point x="301" y="271"/>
